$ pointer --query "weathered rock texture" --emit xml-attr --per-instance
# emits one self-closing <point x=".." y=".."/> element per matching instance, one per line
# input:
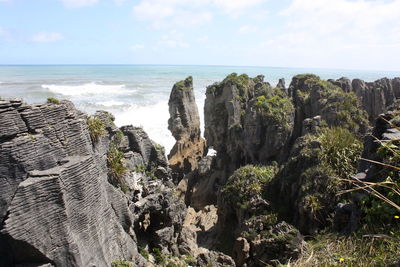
<point x="247" y="119"/>
<point x="67" y="199"/>
<point x="184" y="124"/>
<point x="249" y="122"/>
<point x="376" y="97"/>
<point x="56" y="203"/>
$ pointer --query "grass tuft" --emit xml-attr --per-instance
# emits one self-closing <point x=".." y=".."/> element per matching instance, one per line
<point x="53" y="100"/>
<point x="96" y="128"/>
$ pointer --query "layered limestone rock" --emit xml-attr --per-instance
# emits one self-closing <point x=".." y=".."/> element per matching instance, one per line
<point x="78" y="191"/>
<point x="184" y="124"/>
<point x="336" y="107"/>
<point x="57" y="205"/>
<point x="247" y="119"/>
<point x="376" y="97"/>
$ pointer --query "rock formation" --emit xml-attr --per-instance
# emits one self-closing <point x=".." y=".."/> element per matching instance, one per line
<point x="75" y="190"/>
<point x="78" y="191"/>
<point x="56" y="204"/>
<point x="376" y="97"/>
<point x="247" y="119"/>
<point x="184" y="124"/>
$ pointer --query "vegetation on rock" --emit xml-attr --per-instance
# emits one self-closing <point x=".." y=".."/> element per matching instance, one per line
<point x="337" y="107"/>
<point x="53" y="100"/>
<point x="246" y="183"/>
<point x="340" y="150"/>
<point x="115" y="160"/>
<point x="330" y="249"/>
<point x="184" y="84"/>
<point x="277" y="108"/>
<point x="97" y="128"/>
<point x="121" y="263"/>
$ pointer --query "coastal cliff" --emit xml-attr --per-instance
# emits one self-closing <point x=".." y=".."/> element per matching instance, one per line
<point x="75" y="190"/>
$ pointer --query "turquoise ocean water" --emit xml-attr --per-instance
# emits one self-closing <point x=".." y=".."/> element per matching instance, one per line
<point x="138" y="94"/>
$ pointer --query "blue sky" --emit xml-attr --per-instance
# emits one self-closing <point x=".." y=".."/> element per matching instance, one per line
<point x="343" y="34"/>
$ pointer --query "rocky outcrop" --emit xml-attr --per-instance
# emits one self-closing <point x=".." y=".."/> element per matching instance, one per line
<point x="247" y="120"/>
<point x="78" y="191"/>
<point x="336" y="107"/>
<point x="57" y="205"/>
<point x="75" y="190"/>
<point x="184" y="124"/>
<point x="376" y="97"/>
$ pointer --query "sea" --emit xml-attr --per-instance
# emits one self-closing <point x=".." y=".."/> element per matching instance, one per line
<point x="138" y="94"/>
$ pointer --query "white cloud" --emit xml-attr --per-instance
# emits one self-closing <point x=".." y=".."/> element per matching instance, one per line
<point x="236" y="7"/>
<point x="136" y="47"/>
<point x="47" y="37"/>
<point x="326" y="32"/>
<point x="247" y="29"/>
<point x="78" y="3"/>
<point x="202" y="39"/>
<point x="119" y="2"/>
<point x="173" y="39"/>
<point x="171" y="13"/>
<point x="188" y="13"/>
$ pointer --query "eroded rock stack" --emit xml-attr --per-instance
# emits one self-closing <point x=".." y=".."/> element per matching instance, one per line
<point x="184" y="124"/>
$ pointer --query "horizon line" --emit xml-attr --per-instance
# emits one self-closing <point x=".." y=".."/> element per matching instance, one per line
<point x="192" y="65"/>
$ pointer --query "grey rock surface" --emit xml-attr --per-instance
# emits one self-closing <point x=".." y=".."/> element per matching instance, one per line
<point x="56" y="204"/>
<point x="184" y="124"/>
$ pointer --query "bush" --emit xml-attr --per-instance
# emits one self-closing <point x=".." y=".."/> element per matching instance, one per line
<point x="96" y="128"/>
<point x="341" y="150"/>
<point x="143" y="252"/>
<point x="158" y="256"/>
<point x="355" y="250"/>
<point x="247" y="182"/>
<point x="53" y="100"/>
<point x="116" y="165"/>
<point x="382" y="203"/>
<point x="120" y="263"/>
<point x="184" y="84"/>
<point x="277" y="108"/>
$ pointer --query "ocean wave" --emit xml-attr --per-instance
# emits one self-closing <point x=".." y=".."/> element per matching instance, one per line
<point x="111" y="103"/>
<point x="153" y="118"/>
<point x="88" y="89"/>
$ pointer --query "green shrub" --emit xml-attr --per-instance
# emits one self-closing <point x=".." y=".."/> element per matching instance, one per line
<point x="337" y="107"/>
<point x="96" y="128"/>
<point x="247" y="182"/>
<point x="158" y="256"/>
<point x="341" y="150"/>
<point x="125" y="188"/>
<point x="121" y="263"/>
<point x="184" y="84"/>
<point x="143" y="252"/>
<point x="116" y="165"/>
<point x="278" y="108"/>
<point x="382" y="205"/>
<point x="140" y="168"/>
<point x="240" y="81"/>
<point x="53" y="100"/>
<point x="118" y="137"/>
<point x="354" y="250"/>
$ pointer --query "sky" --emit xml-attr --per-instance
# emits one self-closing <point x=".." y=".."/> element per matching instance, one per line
<point x="339" y="34"/>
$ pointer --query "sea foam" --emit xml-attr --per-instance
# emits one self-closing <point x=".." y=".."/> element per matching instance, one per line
<point x="152" y="117"/>
<point x="88" y="89"/>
